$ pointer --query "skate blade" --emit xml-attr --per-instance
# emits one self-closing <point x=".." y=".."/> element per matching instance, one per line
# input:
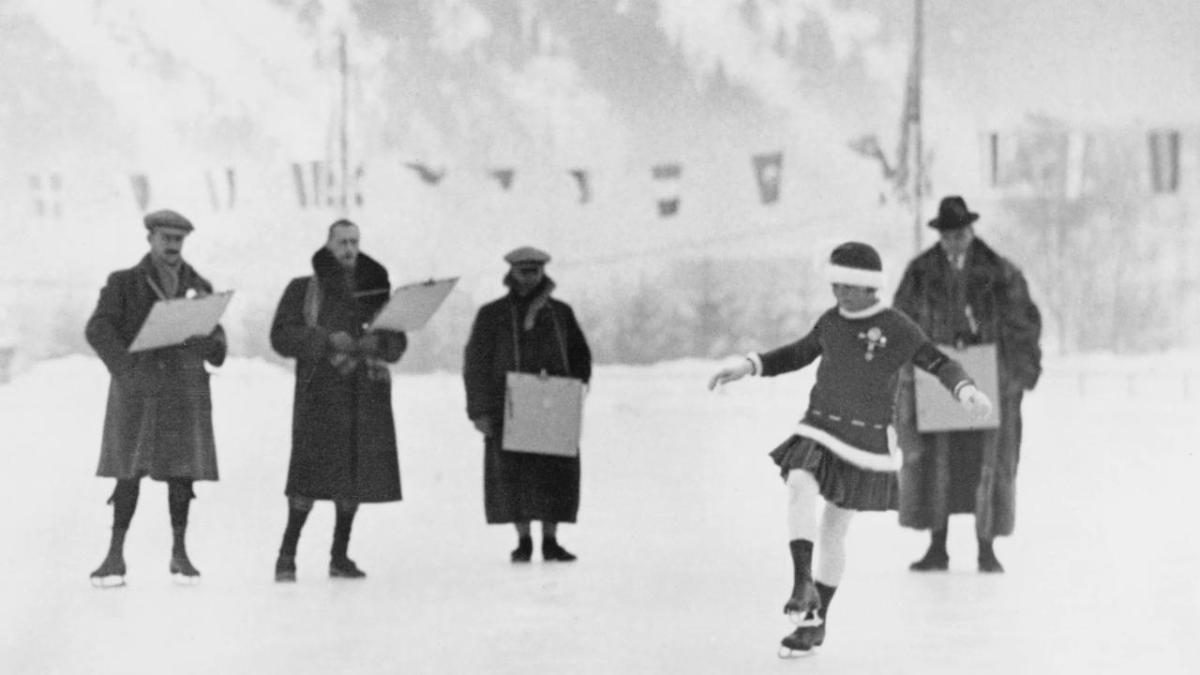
<point x="789" y="653"/>
<point x="112" y="581"/>
<point x="805" y="619"/>
<point x="184" y="580"/>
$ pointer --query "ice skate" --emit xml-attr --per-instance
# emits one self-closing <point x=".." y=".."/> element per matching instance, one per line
<point x="802" y="640"/>
<point x="285" y="568"/>
<point x="182" y="570"/>
<point x="110" y="573"/>
<point x="344" y="568"/>
<point x="801" y="609"/>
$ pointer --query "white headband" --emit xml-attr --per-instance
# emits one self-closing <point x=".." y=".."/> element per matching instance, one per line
<point x="855" y="276"/>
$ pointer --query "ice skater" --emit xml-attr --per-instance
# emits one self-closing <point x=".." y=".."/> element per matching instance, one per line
<point x="843" y="448"/>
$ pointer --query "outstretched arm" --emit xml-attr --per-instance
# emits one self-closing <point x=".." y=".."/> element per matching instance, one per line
<point x="734" y="371"/>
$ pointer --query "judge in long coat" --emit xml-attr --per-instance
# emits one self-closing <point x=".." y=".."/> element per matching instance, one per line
<point x="158" y="421"/>
<point x="525" y="331"/>
<point x="961" y="292"/>
<point x="343" y="432"/>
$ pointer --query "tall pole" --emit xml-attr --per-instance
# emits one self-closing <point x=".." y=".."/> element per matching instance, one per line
<point x="343" y="139"/>
<point x="918" y="145"/>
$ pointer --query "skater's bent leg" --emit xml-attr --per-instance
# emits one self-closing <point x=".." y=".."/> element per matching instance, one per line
<point x="802" y="530"/>
<point x="802" y="505"/>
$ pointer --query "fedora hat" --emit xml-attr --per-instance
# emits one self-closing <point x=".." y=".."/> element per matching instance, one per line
<point x="953" y="214"/>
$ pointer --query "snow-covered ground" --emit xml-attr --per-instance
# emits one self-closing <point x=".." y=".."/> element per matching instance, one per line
<point x="683" y="556"/>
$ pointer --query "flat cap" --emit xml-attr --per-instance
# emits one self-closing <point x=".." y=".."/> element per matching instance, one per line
<point x="167" y="218"/>
<point x="527" y="255"/>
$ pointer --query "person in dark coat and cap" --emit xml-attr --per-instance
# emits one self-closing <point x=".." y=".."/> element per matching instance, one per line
<point x="343" y="432"/>
<point x="158" y="421"/>
<point x="526" y="331"/>
<point x="961" y="292"/>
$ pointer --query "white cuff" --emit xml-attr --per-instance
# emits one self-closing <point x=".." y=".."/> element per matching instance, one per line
<point x="755" y="361"/>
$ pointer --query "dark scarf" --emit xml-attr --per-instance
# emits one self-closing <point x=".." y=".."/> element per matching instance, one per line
<point x="531" y="304"/>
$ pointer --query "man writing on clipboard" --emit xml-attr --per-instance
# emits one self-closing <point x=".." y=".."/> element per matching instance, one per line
<point x="158" y="422"/>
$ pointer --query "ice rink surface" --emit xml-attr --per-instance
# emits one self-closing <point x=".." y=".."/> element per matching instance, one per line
<point x="683" y="555"/>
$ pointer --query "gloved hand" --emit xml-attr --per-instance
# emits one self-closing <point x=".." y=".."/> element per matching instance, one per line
<point x="342" y="343"/>
<point x="731" y="372"/>
<point x="976" y="402"/>
<point x="485" y="425"/>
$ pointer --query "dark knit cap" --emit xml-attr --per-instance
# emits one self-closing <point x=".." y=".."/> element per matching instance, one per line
<point x="856" y="264"/>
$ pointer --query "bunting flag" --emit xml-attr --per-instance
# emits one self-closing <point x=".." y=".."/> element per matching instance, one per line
<point x="502" y="176"/>
<point x="768" y="169"/>
<point x="581" y="180"/>
<point x="222" y="188"/>
<point x="360" y="172"/>
<point x="316" y="184"/>
<point x="666" y="179"/>
<point x="47" y="194"/>
<point x="428" y="175"/>
<point x="1164" y="161"/>
<point x="140" y="183"/>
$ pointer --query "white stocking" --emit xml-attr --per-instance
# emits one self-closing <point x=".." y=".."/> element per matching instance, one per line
<point x="802" y="505"/>
<point x="831" y="549"/>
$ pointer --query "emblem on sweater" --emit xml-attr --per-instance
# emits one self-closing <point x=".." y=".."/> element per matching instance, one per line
<point x="875" y="339"/>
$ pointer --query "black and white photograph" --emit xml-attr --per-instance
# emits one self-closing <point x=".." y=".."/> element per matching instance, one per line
<point x="599" y="336"/>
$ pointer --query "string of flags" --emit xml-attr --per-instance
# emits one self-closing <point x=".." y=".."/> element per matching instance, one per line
<point x="317" y="183"/>
<point x="1062" y="159"/>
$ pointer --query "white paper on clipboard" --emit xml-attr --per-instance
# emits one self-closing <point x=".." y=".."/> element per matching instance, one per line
<point x="172" y="321"/>
<point x="411" y="305"/>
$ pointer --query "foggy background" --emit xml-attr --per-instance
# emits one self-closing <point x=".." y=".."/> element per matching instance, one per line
<point x="1072" y="96"/>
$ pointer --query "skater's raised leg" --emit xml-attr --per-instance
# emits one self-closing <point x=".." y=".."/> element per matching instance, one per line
<point x="551" y="550"/>
<point x="340" y="565"/>
<point x="524" y="550"/>
<point x="936" y="559"/>
<point x="285" y="564"/>
<point x="179" y="497"/>
<point x="111" y="572"/>
<point x="803" y="602"/>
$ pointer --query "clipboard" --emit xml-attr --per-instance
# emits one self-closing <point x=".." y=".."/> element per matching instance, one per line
<point x="411" y="305"/>
<point x="172" y="321"/>
<point x="936" y="408"/>
<point x="543" y="414"/>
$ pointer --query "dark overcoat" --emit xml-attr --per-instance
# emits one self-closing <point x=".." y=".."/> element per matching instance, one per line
<point x="343" y="433"/>
<point x="971" y="471"/>
<point x="529" y="335"/>
<point x="159" y="416"/>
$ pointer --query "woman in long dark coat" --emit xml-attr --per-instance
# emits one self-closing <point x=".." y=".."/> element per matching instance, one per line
<point x="525" y="331"/>
<point x="960" y="291"/>
<point x="343" y="432"/>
